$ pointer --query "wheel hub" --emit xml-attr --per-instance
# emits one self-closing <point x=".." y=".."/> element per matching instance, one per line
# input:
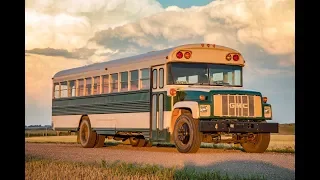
<point x="84" y="134"/>
<point x="252" y="138"/>
<point x="184" y="133"/>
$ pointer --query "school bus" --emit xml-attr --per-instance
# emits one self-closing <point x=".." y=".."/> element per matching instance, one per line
<point x="184" y="95"/>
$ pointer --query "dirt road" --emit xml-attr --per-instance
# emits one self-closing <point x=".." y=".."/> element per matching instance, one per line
<point x="271" y="165"/>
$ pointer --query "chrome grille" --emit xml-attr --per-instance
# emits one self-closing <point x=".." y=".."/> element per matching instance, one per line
<point x="237" y="105"/>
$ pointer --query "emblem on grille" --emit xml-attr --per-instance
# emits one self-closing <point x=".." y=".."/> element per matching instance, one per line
<point x="238" y="105"/>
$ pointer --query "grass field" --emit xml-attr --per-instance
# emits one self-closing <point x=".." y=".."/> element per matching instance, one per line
<point x="287" y="129"/>
<point x="49" y="132"/>
<point x="38" y="168"/>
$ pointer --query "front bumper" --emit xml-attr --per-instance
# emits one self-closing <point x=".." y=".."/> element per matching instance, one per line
<point x="238" y="127"/>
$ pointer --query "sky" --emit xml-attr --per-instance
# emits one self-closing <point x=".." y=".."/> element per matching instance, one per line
<point x="62" y="34"/>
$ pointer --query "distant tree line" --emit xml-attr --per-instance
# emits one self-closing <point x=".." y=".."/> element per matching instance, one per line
<point x="38" y="126"/>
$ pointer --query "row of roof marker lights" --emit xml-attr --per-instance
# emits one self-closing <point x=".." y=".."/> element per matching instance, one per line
<point x="187" y="55"/>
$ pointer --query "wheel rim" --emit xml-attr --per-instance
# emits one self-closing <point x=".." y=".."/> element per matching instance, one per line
<point x="254" y="139"/>
<point x="84" y="133"/>
<point x="184" y="133"/>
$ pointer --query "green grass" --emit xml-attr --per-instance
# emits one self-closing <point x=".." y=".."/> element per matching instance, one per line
<point x="287" y="129"/>
<point x="39" y="168"/>
<point x="38" y="133"/>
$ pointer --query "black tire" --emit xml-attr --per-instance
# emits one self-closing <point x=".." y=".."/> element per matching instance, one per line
<point x="87" y="136"/>
<point x="78" y="137"/>
<point x="259" y="144"/>
<point x="188" y="140"/>
<point x="137" y="141"/>
<point x="148" y="143"/>
<point x="100" y="141"/>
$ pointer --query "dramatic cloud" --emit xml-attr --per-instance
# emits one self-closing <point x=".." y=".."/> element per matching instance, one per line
<point x="81" y="53"/>
<point x="234" y="23"/>
<point x="130" y="27"/>
<point x="68" y="24"/>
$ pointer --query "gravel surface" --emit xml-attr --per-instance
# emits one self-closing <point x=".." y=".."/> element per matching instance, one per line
<point x="272" y="165"/>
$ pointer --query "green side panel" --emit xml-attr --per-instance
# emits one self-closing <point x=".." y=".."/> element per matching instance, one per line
<point x="123" y="102"/>
<point x="167" y="103"/>
<point x="191" y="95"/>
<point x="233" y="92"/>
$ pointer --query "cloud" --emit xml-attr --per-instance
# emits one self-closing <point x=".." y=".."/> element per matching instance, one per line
<point x="130" y="27"/>
<point x="81" y="53"/>
<point x="233" y="23"/>
<point x="62" y="31"/>
<point x="68" y="24"/>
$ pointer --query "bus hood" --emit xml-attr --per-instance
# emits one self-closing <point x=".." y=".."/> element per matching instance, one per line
<point x="221" y="90"/>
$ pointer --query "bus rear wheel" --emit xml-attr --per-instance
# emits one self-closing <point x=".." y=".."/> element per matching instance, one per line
<point x="257" y="143"/>
<point x="100" y="141"/>
<point x="187" y="137"/>
<point x="87" y="136"/>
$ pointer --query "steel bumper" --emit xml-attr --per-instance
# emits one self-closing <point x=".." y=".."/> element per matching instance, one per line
<point x="238" y="127"/>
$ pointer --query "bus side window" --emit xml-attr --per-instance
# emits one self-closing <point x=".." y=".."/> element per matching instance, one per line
<point x="81" y="87"/>
<point x="145" y="79"/>
<point x="96" y="85"/>
<point x="114" y="82"/>
<point x="161" y="78"/>
<point x="64" y="89"/>
<point x="105" y="83"/>
<point x="72" y="88"/>
<point x="56" y="90"/>
<point x="154" y="78"/>
<point x="88" y="86"/>
<point x="134" y="80"/>
<point x="124" y="81"/>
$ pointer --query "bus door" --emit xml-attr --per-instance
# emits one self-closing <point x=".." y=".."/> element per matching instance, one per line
<point x="157" y="97"/>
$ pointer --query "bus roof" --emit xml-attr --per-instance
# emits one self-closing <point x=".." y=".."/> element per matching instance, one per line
<point x="162" y="54"/>
<point x="116" y="62"/>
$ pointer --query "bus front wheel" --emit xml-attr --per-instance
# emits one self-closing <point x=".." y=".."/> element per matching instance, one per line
<point x="87" y="136"/>
<point x="187" y="137"/>
<point x="257" y="143"/>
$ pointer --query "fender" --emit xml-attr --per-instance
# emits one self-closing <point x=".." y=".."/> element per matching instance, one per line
<point x="194" y="106"/>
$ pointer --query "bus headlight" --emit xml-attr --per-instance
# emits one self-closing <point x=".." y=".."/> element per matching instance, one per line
<point x="204" y="110"/>
<point x="267" y="112"/>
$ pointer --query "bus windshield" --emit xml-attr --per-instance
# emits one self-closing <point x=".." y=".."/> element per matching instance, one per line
<point x="204" y="74"/>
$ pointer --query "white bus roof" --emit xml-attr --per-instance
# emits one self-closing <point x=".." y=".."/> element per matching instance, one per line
<point x="160" y="54"/>
<point x="116" y="62"/>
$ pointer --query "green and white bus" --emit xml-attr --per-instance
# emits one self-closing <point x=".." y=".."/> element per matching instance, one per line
<point x="185" y="95"/>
